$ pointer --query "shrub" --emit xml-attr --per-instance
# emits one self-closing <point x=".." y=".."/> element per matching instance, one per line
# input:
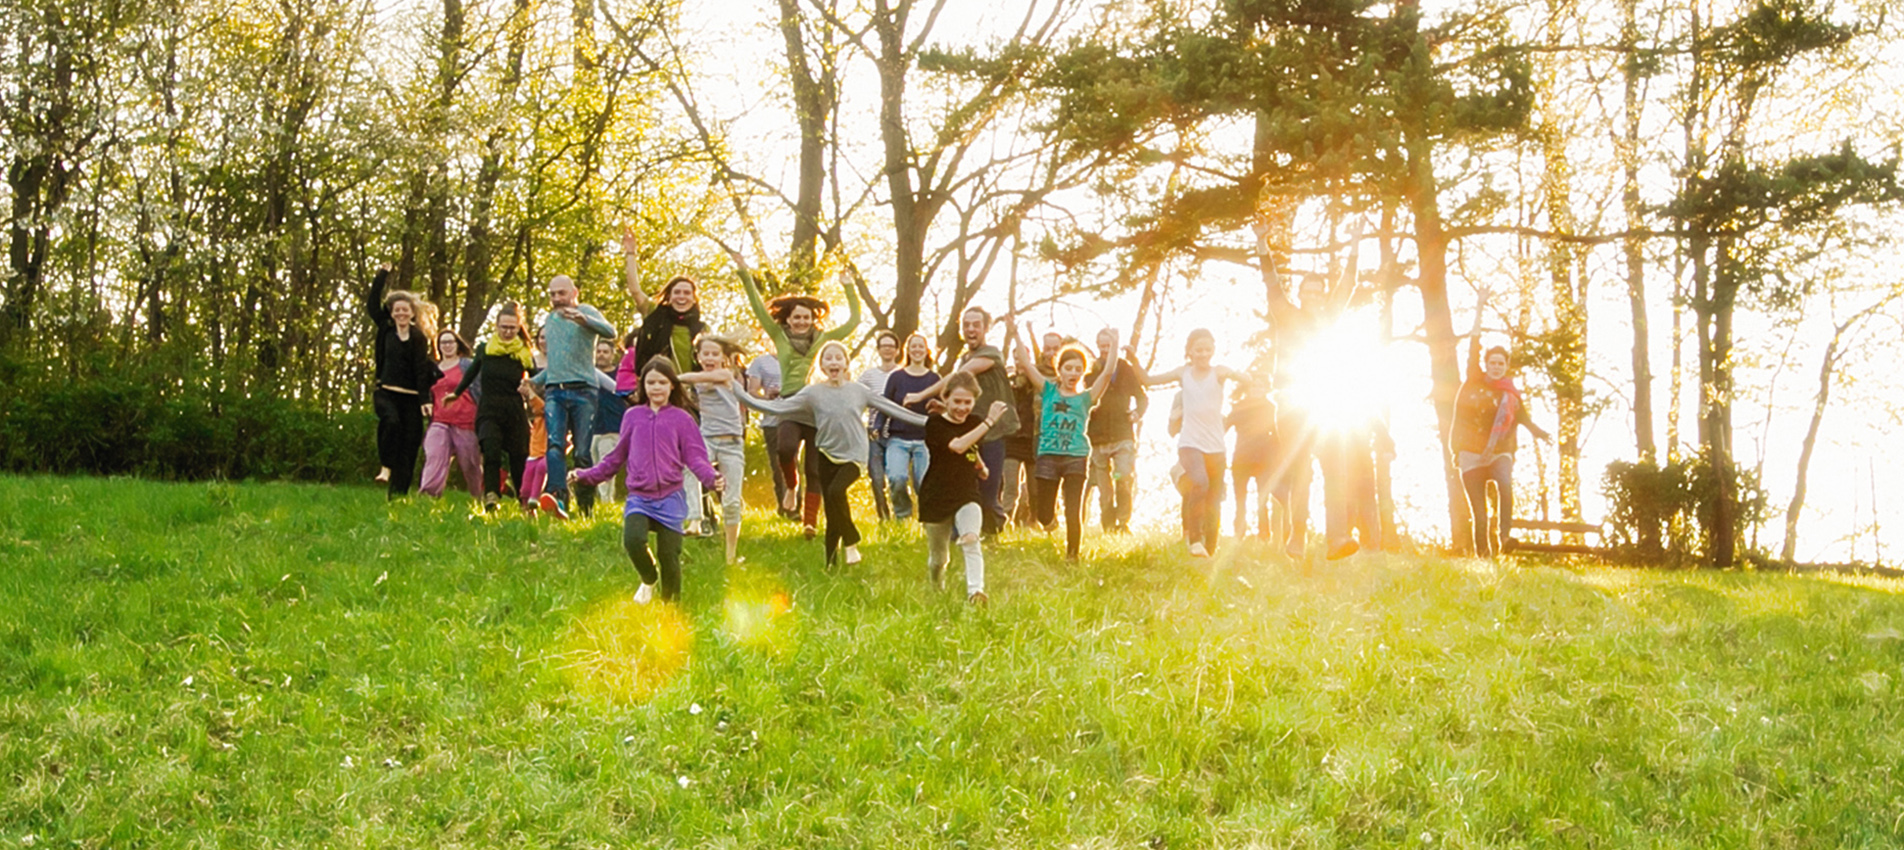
<point x="1666" y="513"/>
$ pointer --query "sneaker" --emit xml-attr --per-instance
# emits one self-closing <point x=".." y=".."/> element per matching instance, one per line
<point x="1344" y="549"/>
<point x="808" y="531"/>
<point x="979" y="599"/>
<point x="383" y="475"/>
<point x="1197" y="550"/>
<point x="644" y="594"/>
<point x="552" y="506"/>
<point x="852" y="555"/>
<point x="489" y="505"/>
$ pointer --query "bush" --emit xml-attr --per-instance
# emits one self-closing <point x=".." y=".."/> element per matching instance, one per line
<point x="150" y="423"/>
<point x="1657" y="513"/>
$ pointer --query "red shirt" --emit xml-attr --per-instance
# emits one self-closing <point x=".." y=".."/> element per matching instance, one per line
<point x="462" y="414"/>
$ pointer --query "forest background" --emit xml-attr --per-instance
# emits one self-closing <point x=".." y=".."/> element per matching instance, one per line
<point x="1685" y="211"/>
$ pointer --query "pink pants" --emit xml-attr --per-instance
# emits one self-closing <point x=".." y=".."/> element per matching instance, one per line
<point x="439" y="443"/>
<point x="535" y="473"/>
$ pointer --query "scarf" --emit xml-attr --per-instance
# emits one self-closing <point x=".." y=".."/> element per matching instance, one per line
<point x="516" y="348"/>
<point x="801" y="345"/>
<point x="657" y="333"/>
<point x="1505" y="415"/>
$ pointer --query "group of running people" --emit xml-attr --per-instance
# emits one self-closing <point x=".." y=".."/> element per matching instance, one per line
<point x="664" y="407"/>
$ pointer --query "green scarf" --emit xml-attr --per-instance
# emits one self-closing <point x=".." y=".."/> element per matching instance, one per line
<point x="497" y="347"/>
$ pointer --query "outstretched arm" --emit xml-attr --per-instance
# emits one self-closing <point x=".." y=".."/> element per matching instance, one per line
<point x="711" y="376"/>
<point x="469" y="377"/>
<point x="1161" y="378"/>
<point x="773" y="407"/>
<point x="886" y="406"/>
<point x="631" y="270"/>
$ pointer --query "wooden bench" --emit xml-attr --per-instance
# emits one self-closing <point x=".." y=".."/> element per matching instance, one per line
<point x="1521" y="525"/>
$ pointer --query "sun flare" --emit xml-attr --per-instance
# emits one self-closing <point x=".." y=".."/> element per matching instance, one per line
<point x="1341" y="377"/>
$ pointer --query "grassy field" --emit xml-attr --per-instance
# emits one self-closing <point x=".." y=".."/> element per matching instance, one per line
<point x="298" y="666"/>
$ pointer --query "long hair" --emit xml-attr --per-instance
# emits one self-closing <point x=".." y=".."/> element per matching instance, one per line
<point x="462" y="348"/>
<point x="781" y="308"/>
<point x="422" y="313"/>
<point x="1072" y="351"/>
<point x="906" y="359"/>
<point x="677" y="393"/>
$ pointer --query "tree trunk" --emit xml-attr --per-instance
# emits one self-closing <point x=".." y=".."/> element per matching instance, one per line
<point x="912" y="216"/>
<point x="814" y="99"/>
<point x="1431" y="244"/>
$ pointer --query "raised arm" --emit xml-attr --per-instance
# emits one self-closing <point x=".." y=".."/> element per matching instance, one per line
<point x="964" y="442"/>
<point x="373" y="300"/>
<point x="1474" y="336"/>
<point x="852" y="311"/>
<point x="1022" y="355"/>
<point x="631" y="270"/>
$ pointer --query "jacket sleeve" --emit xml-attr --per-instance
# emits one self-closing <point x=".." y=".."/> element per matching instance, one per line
<point x="693" y="449"/>
<point x="373" y="299"/>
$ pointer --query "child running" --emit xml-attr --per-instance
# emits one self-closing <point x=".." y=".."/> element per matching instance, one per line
<point x="1200" y="442"/>
<point x="658" y="439"/>
<point x="949" y="498"/>
<point x="721" y="425"/>
<point x="1064" y="455"/>
<point x="835" y="408"/>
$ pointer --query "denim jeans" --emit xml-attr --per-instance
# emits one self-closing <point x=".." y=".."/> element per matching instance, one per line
<point x="876" y="474"/>
<point x="905" y="467"/>
<point x="568" y="411"/>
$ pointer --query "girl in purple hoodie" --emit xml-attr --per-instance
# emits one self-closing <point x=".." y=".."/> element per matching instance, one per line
<point x="658" y="439"/>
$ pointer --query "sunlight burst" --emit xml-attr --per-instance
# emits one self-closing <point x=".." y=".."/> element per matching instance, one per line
<point x="1341" y="378"/>
<point x="624" y="651"/>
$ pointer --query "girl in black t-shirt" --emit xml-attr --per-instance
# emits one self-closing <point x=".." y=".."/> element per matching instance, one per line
<point x="949" y="498"/>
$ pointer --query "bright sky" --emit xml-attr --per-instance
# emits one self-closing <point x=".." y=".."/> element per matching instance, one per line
<point x="1855" y="465"/>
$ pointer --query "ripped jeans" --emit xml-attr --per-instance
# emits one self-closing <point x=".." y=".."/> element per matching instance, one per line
<point x="966" y="525"/>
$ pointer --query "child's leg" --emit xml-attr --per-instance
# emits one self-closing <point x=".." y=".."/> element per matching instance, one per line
<point x="840" y="530"/>
<point x="634" y="539"/>
<point x="968" y="522"/>
<point x="668" y="548"/>
<point x="1044" y="493"/>
<point x="1073" y="486"/>
<point x="938" y="550"/>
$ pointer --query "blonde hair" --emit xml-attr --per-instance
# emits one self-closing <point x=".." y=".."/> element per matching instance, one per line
<point x="422" y="313"/>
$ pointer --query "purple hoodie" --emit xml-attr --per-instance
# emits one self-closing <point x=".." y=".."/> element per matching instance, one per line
<point x="655" y="445"/>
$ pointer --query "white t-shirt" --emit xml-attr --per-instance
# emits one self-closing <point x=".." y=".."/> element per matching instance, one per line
<point x="1202" y="412"/>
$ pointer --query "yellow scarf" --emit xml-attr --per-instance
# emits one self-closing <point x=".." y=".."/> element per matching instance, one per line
<point x="497" y="347"/>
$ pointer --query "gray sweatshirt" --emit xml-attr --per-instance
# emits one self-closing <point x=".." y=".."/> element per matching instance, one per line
<point x="838" y="415"/>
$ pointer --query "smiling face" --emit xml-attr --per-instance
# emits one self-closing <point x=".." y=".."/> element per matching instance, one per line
<point x="656" y="387"/>
<point x="959" y="403"/>
<point x="916" y="351"/>
<point x="800" y="320"/>
<point x="1201" y="350"/>
<point x="446" y="346"/>
<point x="1496" y="366"/>
<point x="1052" y="341"/>
<point x="972" y="327"/>
<point x="402" y="312"/>
<point x="888" y="349"/>
<point x="682" y="296"/>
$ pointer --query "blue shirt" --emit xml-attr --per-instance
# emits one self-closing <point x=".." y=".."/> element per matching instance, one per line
<point x="1061" y="428"/>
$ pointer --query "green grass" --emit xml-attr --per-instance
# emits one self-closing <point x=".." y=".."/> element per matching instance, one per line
<point x="300" y="666"/>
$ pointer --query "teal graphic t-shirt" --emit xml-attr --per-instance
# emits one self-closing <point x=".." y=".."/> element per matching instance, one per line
<point x="1062" y="426"/>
